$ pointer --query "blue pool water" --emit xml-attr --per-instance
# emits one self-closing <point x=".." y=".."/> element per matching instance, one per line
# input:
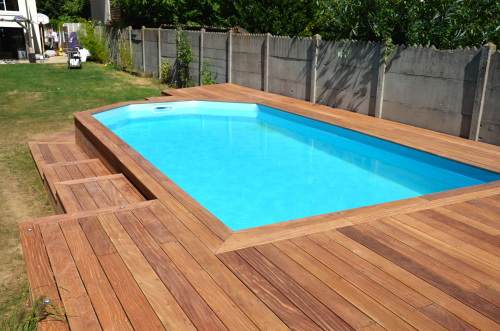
<point x="252" y="165"/>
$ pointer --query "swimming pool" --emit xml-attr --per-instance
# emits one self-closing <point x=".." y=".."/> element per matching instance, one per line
<point x="252" y="165"/>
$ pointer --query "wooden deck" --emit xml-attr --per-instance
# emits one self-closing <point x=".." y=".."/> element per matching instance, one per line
<point x="130" y="250"/>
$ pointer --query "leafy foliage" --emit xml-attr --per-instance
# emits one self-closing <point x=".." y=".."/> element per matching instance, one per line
<point x="281" y="17"/>
<point x="443" y="23"/>
<point x="207" y="76"/>
<point x="166" y="72"/>
<point x="184" y="57"/>
<point x="94" y="42"/>
<point x="125" y="53"/>
<point x="152" y="13"/>
<point x="66" y="10"/>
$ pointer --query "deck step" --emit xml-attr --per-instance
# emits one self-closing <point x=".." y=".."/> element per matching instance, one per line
<point x="50" y="152"/>
<point x="96" y="192"/>
<point x="66" y="171"/>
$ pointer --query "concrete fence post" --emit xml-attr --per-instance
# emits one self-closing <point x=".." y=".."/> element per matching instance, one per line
<point x="379" y="101"/>
<point x="130" y="39"/>
<point x="487" y="52"/>
<point x="266" y="62"/>
<point x="143" y="34"/>
<point x="314" y="67"/>
<point x="159" y="53"/>
<point x="200" y="68"/>
<point x="230" y="57"/>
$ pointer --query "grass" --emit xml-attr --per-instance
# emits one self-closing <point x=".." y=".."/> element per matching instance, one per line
<point x="38" y="100"/>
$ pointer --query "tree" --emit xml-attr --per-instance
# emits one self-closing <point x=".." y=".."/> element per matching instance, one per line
<point x="68" y="10"/>
<point x="280" y="17"/>
<point x="152" y="13"/>
<point x="443" y="23"/>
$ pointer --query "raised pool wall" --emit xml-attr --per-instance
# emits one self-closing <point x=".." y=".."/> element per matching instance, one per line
<point x="450" y="91"/>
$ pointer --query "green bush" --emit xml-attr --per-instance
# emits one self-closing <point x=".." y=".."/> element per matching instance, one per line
<point x="166" y="72"/>
<point x="92" y="40"/>
<point x="207" y="76"/>
<point x="184" y="58"/>
<point x="125" y="54"/>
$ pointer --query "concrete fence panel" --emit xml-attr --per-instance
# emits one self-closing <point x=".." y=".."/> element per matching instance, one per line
<point x="290" y="65"/>
<point x="432" y="89"/>
<point x="194" y="67"/>
<point x="248" y="60"/>
<point x="215" y="51"/>
<point x="151" y="49"/>
<point x="348" y="74"/>
<point x="137" y="49"/>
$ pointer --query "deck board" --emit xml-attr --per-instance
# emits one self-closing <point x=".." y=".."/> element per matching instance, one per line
<point x="113" y="260"/>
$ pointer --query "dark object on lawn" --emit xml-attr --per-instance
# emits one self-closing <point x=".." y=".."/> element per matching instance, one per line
<point x="74" y="60"/>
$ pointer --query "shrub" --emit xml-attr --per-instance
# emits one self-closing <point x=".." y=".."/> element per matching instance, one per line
<point x="125" y="54"/>
<point x="207" y="76"/>
<point x="166" y="72"/>
<point x="91" y="39"/>
<point x="184" y="57"/>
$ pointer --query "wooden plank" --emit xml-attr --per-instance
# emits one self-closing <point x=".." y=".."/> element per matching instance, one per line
<point x="469" y="298"/>
<point x="128" y="190"/>
<point x="317" y="311"/>
<point x="101" y="294"/>
<point x="275" y="300"/>
<point x="192" y="311"/>
<point x="470" y="248"/>
<point x="56" y="152"/>
<point x="487" y="204"/>
<point x="155" y="228"/>
<point x="446" y="318"/>
<point x="66" y="152"/>
<point x="255" y="309"/>
<point x="78" y="153"/>
<point x="484" y="216"/>
<point x="227" y="311"/>
<point x="468" y="221"/>
<point x="74" y="172"/>
<point x="40" y="275"/>
<point x="447" y="275"/>
<point x="61" y="172"/>
<point x="343" y="308"/>
<point x="98" y="196"/>
<point x="97" y="237"/>
<point x="489" y="294"/>
<point x="37" y="155"/>
<point x="155" y="291"/>
<point x="366" y="304"/>
<point x="67" y="198"/>
<point x="382" y="278"/>
<point x="47" y="155"/>
<point x="113" y="195"/>
<point x="79" y="310"/>
<point x="450" y="227"/>
<point x="136" y="306"/>
<point x="451" y="256"/>
<point x="446" y="301"/>
<point x="82" y="195"/>
<point x="384" y="297"/>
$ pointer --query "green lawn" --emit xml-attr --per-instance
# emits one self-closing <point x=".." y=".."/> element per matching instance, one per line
<point x="36" y="101"/>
